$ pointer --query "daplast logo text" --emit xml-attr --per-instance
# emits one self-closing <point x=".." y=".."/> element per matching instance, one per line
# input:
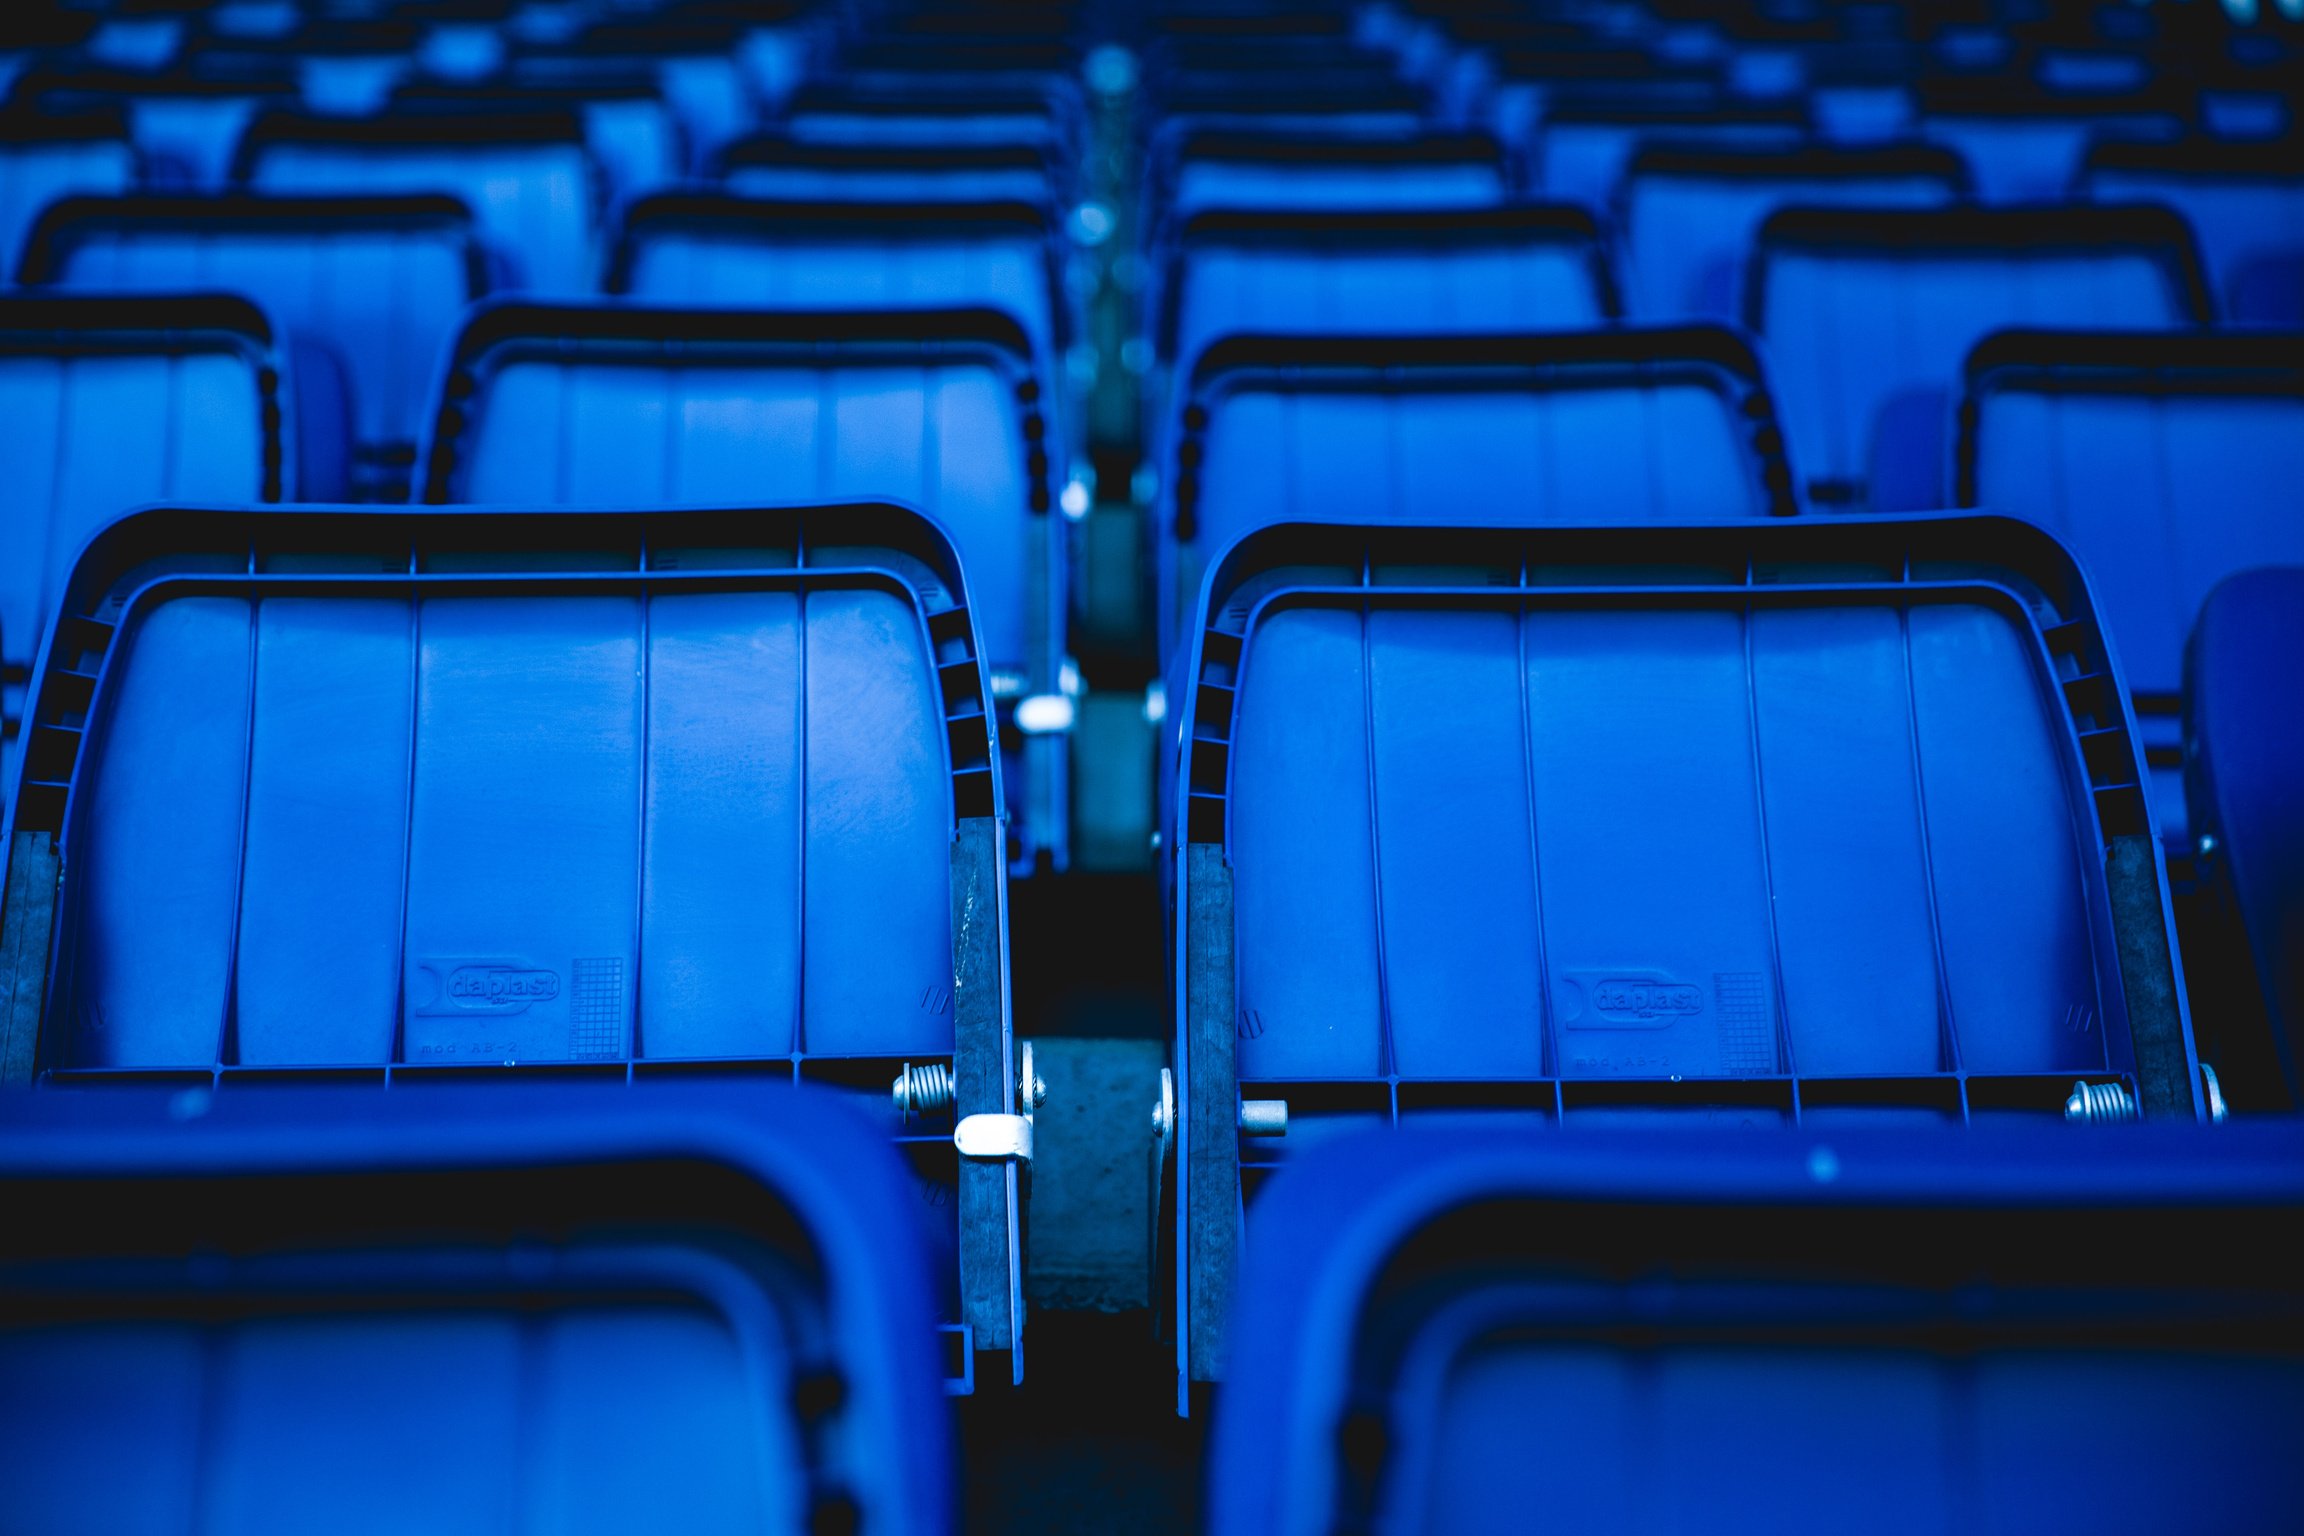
<point x="501" y="988"/>
<point x="1643" y="999"/>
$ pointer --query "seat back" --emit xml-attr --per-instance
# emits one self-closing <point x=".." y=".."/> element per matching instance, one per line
<point x="531" y="184"/>
<point x="379" y="280"/>
<point x="1351" y="173"/>
<point x="1689" y="212"/>
<point x="775" y="168"/>
<point x="1829" y="822"/>
<point x="109" y="403"/>
<point x="2245" y="203"/>
<point x="1868" y="314"/>
<point x="706" y="248"/>
<point x="830" y="114"/>
<point x="1652" y="1326"/>
<point x="629" y="127"/>
<point x="468" y="705"/>
<point x="608" y="794"/>
<point x="702" y="68"/>
<point x="2167" y="462"/>
<point x="2245" y="760"/>
<point x="608" y="1299"/>
<point x="1448" y="272"/>
<point x="342" y="67"/>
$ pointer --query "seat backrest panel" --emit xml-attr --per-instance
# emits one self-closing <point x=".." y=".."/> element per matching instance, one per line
<point x="1847" y="331"/>
<point x="1429" y="289"/>
<point x="1272" y="185"/>
<point x="792" y="269"/>
<point x="1451" y="860"/>
<point x="385" y="302"/>
<point x="514" y="826"/>
<point x="1617" y="452"/>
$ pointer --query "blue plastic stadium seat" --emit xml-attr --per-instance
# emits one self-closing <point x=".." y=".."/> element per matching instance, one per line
<point x="703" y="1307"/>
<point x="1612" y="426"/>
<point x="341" y="67"/>
<point x="621" y="405"/>
<point x="2244" y="763"/>
<point x="1821" y="821"/>
<point x="109" y="403"/>
<point x="829" y="113"/>
<point x="957" y="92"/>
<point x="1689" y="212"/>
<point x="48" y="155"/>
<point x="530" y="182"/>
<point x="184" y="125"/>
<point x="705" y="248"/>
<point x="2167" y="463"/>
<point x="1272" y="171"/>
<point x="380" y="281"/>
<point x="2027" y="144"/>
<point x="1585" y="145"/>
<point x="1527" y="79"/>
<point x="631" y="130"/>
<point x="1868" y="314"/>
<point x="702" y="66"/>
<point x="1032" y="86"/>
<point x="1782" y="1333"/>
<point x="782" y="169"/>
<point x="1417" y="272"/>
<point x="2245" y="203"/>
<point x="1286" y="80"/>
<point x="1284" y="88"/>
<point x="617" y="794"/>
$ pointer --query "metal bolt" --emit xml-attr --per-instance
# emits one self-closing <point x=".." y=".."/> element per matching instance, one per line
<point x="1263" y="1117"/>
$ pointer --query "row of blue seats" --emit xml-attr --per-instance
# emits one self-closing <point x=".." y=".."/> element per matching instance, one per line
<point x="2106" y="436"/>
<point x="530" y="178"/>
<point x="703" y="1327"/>
<point x="1827" y="824"/>
<point x="1684" y="210"/>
